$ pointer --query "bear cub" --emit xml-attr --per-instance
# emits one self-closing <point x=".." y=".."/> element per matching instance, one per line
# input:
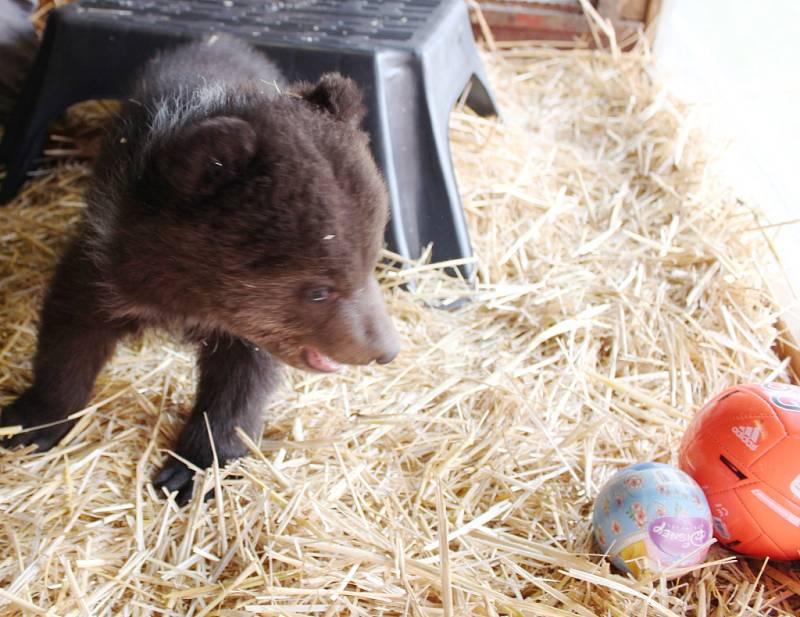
<point x="246" y="213"/>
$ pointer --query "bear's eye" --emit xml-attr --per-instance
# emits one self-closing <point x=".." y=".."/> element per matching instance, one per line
<point x="319" y="294"/>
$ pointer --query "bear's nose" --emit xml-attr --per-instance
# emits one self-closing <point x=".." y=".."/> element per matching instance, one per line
<point x="389" y="351"/>
<point x="387" y="357"/>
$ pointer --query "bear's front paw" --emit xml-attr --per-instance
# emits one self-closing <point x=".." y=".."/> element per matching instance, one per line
<point x="174" y="476"/>
<point x="27" y="413"/>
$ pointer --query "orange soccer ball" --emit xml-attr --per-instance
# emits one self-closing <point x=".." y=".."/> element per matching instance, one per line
<point x="743" y="449"/>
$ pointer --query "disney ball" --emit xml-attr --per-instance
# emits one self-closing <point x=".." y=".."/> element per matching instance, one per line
<point x="652" y="517"/>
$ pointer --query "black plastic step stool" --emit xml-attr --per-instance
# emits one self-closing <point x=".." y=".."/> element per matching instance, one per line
<point x="412" y="58"/>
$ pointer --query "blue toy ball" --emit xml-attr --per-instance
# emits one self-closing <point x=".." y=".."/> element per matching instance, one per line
<point x="650" y="517"/>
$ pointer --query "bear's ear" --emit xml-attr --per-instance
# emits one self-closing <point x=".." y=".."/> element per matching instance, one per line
<point x="204" y="156"/>
<point x="336" y="94"/>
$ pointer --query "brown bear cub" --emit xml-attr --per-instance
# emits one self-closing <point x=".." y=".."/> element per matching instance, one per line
<point x="246" y="213"/>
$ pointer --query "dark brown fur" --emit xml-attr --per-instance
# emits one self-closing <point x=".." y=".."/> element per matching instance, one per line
<point x="246" y="214"/>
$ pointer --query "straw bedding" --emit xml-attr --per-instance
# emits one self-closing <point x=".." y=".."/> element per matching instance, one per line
<point x="620" y="285"/>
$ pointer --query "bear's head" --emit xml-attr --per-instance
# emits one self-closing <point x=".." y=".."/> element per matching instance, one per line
<point x="265" y="220"/>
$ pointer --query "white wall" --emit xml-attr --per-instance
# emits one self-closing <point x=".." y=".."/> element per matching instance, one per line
<point x="740" y="61"/>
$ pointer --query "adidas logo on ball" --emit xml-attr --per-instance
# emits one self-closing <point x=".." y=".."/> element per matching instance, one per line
<point x="748" y="435"/>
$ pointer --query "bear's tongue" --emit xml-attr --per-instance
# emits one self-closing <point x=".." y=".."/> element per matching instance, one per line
<point x="319" y="361"/>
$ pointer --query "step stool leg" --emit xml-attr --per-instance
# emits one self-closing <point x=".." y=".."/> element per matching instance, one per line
<point x="417" y="93"/>
<point x="412" y="146"/>
<point x="78" y="60"/>
<point x="37" y="105"/>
